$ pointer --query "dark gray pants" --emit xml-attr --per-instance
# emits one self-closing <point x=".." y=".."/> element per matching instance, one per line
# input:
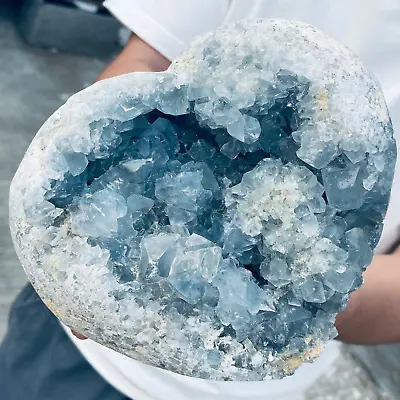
<point x="39" y="362"/>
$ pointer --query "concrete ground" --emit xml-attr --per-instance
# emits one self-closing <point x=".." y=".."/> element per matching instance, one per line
<point x="33" y="84"/>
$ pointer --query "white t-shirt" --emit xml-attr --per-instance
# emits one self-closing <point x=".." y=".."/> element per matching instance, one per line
<point x="372" y="29"/>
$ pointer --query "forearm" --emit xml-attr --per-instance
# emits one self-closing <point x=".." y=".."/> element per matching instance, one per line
<point x="372" y="315"/>
<point x="137" y="56"/>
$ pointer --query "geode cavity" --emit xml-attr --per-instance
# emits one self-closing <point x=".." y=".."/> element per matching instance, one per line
<point x="213" y="219"/>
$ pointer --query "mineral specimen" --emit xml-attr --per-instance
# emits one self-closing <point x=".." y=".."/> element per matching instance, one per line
<point x="213" y="219"/>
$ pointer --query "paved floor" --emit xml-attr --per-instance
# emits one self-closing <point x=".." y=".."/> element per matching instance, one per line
<point x="33" y="84"/>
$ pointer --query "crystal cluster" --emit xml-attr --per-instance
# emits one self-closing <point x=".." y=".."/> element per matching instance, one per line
<point x="213" y="219"/>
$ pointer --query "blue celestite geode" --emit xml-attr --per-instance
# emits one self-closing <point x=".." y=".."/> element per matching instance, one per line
<point x="213" y="219"/>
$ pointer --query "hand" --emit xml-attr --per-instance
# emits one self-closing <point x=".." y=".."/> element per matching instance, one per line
<point x="78" y="335"/>
<point x="372" y="315"/>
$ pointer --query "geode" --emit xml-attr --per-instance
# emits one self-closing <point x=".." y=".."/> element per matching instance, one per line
<point x="212" y="219"/>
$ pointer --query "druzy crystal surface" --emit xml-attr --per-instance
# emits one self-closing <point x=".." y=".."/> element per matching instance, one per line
<point x="213" y="219"/>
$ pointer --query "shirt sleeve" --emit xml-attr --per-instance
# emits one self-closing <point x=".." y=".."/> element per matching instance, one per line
<point x="169" y="25"/>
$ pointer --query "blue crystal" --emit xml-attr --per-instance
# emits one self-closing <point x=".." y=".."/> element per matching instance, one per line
<point x="219" y="214"/>
<point x="77" y="163"/>
<point x="276" y="271"/>
<point x="214" y="358"/>
<point x="344" y="185"/>
<point x="139" y="205"/>
<point x="313" y="291"/>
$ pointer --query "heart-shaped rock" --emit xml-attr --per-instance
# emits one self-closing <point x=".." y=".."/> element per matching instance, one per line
<point x="213" y="219"/>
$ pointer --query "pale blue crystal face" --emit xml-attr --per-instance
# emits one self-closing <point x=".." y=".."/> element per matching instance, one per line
<point x="234" y="217"/>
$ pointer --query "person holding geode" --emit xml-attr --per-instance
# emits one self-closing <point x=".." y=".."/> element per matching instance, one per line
<point x="206" y="229"/>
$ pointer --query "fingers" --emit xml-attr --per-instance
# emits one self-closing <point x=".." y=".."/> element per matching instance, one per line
<point x="78" y="335"/>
